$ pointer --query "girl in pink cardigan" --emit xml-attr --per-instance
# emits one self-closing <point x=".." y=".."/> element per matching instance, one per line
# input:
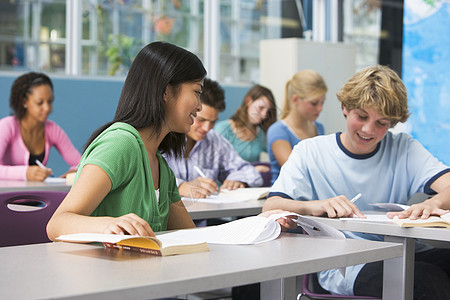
<point x="28" y="136"/>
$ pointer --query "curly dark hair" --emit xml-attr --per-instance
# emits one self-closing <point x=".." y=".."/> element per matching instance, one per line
<point x="22" y="87"/>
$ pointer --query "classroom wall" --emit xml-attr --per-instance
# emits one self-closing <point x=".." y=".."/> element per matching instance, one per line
<point x="336" y="64"/>
<point x="83" y="104"/>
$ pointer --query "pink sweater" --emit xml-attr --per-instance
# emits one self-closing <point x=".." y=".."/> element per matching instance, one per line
<point x="14" y="155"/>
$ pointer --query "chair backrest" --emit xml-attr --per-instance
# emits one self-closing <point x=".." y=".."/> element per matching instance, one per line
<point x="311" y="279"/>
<point x="27" y="225"/>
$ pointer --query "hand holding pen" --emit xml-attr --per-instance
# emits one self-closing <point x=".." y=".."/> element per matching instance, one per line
<point x="335" y="207"/>
<point x="200" y="187"/>
<point x="356" y="198"/>
<point x="38" y="172"/>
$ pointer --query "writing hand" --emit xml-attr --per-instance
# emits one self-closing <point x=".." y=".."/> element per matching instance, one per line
<point x="335" y="207"/>
<point x="36" y="173"/>
<point x="201" y="187"/>
<point x="129" y="224"/>
<point x="232" y="185"/>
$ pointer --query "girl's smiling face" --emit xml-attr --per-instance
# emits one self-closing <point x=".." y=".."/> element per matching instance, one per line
<point x="182" y="105"/>
<point x="365" y="129"/>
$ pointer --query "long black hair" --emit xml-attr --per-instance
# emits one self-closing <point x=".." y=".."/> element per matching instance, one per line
<point x="141" y="103"/>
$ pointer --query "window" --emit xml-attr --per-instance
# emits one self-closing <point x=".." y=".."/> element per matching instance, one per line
<point x="114" y="31"/>
<point x="101" y="37"/>
<point x="33" y="35"/>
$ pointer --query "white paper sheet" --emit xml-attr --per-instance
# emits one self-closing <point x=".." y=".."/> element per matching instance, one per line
<point x="370" y="218"/>
<point x="230" y="196"/>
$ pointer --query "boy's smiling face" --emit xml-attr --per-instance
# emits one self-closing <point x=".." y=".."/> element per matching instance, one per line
<point x="205" y="121"/>
<point x="365" y="129"/>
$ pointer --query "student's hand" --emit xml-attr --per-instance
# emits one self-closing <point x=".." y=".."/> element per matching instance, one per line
<point x="232" y="185"/>
<point x="68" y="172"/>
<point x="129" y="224"/>
<point x="422" y="210"/>
<point x="335" y="207"/>
<point x="287" y="223"/>
<point x="262" y="168"/>
<point x="198" y="188"/>
<point x="36" y="173"/>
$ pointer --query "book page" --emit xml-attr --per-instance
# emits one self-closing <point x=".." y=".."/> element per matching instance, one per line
<point x="446" y="217"/>
<point x="370" y="218"/>
<point x="180" y="241"/>
<point x="93" y="237"/>
<point x="312" y="227"/>
<point x="54" y="180"/>
<point x="230" y="196"/>
<point x="250" y="230"/>
<point x="431" y="221"/>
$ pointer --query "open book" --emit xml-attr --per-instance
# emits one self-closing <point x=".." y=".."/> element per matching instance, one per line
<point x="253" y="230"/>
<point x="250" y="230"/>
<point x="433" y="221"/>
<point x="160" y="246"/>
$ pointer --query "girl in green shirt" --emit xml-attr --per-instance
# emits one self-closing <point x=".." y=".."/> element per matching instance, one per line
<point x="123" y="185"/>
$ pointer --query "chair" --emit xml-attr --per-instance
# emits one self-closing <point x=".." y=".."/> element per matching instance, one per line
<point x="266" y="176"/>
<point x="28" y="224"/>
<point x="312" y="289"/>
<point x="319" y="292"/>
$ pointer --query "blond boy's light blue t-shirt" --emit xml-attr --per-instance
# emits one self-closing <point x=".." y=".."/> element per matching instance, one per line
<point x="320" y="168"/>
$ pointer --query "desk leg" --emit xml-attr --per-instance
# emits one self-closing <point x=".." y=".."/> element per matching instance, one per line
<point x="398" y="276"/>
<point x="284" y="288"/>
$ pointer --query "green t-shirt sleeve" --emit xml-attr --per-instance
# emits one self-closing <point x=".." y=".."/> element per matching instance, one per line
<point x="114" y="152"/>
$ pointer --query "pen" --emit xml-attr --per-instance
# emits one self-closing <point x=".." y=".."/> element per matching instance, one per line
<point x="200" y="172"/>
<point x="40" y="164"/>
<point x="356" y="198"/>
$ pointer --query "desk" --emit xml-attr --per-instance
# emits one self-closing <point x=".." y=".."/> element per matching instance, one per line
<point x="201" y="210"/>
<point x="78" y="271"/>
<point x="394" y="233"/>
<point x="16" y="185"/>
